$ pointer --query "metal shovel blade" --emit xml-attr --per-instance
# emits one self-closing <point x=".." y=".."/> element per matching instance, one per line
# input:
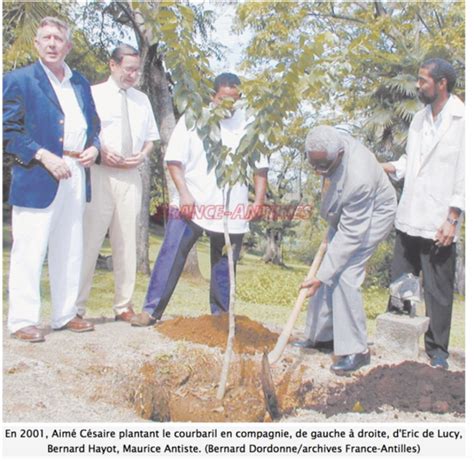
<point x="271" y="400"/>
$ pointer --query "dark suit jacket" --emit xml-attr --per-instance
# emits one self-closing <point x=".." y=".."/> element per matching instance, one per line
<point x="33" y="118"/>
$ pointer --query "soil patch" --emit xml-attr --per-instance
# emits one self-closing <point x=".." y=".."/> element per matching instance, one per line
<point x="184" y="389"/>
<point x="408" y="386"/>
<point x="69" y="378"/>
<point x="212" y="330"/>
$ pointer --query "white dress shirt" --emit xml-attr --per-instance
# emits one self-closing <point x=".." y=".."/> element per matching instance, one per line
<point x="433" y="168"/>
<point x="186" y="147"/>
<point x="75" y="125"/>
<point x="108" y="102"/>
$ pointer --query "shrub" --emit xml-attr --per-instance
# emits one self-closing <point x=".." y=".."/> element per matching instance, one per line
<point x="269" y="284"/>
<point x="378" y="267"/>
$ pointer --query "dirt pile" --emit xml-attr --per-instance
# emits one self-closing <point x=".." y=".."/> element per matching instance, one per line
<point x="408" y="386"/>
<point x="212" y="330"/>
<point x="182" y="386"/>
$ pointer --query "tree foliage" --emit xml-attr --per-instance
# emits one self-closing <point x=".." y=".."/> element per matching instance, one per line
<point x="352" y="63"/>
<point x="21" y="20"/>
<point x="347" y="63"/>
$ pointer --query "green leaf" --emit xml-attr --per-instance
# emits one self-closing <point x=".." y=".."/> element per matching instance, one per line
<point x="181" y="102"/>
<point x="190" y="119"/>
<point x="215" y="133"/>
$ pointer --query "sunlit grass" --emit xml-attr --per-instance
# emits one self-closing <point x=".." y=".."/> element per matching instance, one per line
<point x="265" y="293"/>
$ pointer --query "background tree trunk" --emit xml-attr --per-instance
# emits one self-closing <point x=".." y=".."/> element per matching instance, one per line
<point x="191" y="268"/>
<point x="158" y="89"/>
<point x="273" y="253"/>
<point x="460" y="280"/>
<point x="143" y="245"/>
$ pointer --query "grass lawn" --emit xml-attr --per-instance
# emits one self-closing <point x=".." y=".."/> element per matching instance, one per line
<point x="265" y="293"/>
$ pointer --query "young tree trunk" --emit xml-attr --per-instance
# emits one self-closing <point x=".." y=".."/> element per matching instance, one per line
<point x="230" y="337"/>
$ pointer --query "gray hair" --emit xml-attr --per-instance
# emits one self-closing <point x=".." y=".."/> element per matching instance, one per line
<point x="325" y="138"/>
<point x="56" y="22"/>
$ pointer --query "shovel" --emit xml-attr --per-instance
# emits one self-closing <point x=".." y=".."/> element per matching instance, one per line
<point x="271" y="400"/>
<point x="275" y="354"/>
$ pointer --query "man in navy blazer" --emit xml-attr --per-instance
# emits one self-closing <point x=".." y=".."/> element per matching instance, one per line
<point x="51" y="128"/>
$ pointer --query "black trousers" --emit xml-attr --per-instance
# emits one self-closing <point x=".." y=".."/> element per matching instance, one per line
<point x="415" y="254"/>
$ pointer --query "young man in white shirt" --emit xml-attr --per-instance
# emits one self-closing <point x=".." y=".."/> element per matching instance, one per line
<point x="432" y="200"/>
<point x="201" y="203"/>
<point x="127" y="135"/>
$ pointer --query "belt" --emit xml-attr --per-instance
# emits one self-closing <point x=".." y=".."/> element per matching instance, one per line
<point x="72" y="154"/>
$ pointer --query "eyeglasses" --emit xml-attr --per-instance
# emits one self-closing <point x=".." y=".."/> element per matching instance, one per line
<point x="131" y="71"/>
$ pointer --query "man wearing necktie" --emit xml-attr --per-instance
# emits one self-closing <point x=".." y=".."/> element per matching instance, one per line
<point x="359" y="204"/>
<point x="127" y="135"/>
<point x="432" y="201"/>
<point x="51" y="128"/>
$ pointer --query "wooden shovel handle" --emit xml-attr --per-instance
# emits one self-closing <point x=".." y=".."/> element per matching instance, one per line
<point x="275" y="354"/>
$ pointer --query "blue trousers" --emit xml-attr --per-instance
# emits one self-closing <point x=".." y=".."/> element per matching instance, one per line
<point x="180" y="236"/>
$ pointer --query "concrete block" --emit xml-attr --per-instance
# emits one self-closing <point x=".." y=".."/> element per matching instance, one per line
<point x="400" y="334"/>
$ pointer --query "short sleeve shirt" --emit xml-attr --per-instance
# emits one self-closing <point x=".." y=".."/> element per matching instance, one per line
<point x="186" y="147"/>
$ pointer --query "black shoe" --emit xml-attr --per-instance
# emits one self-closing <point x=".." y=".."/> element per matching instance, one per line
<point x="439" y="362"/>
<point x="349" y="363"/>
<point x="322" y="346"/>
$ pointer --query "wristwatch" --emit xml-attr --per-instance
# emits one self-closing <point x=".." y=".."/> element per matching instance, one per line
<point x="38" y="155"/>
<point x="452" y="221"/>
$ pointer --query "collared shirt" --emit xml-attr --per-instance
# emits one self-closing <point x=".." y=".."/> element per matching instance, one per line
<point x="433" y="169"/>
<point x="75" y="125"/>
<point x="108" y="102"/>
<point x="186" y="147"/>
<point x="428" y="132"/>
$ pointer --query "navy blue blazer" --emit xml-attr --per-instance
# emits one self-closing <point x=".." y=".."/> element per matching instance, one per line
<point x="33" y="118"/>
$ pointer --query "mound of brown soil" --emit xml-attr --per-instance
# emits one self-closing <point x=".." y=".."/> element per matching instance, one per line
<point x="212" y="330"/>
<point x="408" y="386"/>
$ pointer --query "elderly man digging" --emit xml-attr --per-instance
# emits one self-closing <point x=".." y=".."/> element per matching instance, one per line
<point x="359" y="203"/>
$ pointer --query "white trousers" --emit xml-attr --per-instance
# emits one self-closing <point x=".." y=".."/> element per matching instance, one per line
<point x="115" y="206"/>
<point x="58" y="230"/>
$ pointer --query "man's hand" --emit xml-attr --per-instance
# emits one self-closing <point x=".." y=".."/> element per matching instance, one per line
<point x="111" y="157"/>
<point x="186" y="205"/>
<point x="445" y="234"/>
<point x="55" y="165"/>
<point x="134" y="160"/>
<point x="312" y="284"/>
<point x="388" y="167"/>
<point x="88" y="156"/>
<point x="255" y="211"/>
